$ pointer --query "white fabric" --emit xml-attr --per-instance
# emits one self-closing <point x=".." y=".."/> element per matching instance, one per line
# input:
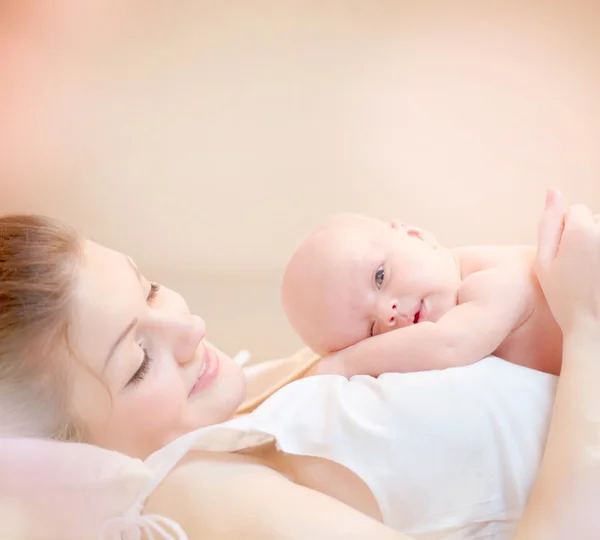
<point x="448" y="455"/>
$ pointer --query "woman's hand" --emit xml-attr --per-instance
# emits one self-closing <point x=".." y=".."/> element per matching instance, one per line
<point x="564" y="500"/>
<point x="568" y="263"/>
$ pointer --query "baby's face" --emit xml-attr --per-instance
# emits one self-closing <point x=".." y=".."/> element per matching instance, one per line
<point x="360" y="277"/>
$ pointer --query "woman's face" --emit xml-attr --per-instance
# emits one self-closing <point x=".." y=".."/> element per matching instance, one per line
<point x="139" y="340"/>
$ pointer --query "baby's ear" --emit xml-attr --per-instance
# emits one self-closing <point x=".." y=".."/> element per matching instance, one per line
<point x="415" y="232"/>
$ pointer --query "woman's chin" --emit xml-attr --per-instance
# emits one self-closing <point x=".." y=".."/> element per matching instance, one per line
<point x="219" y="402"/>
<point x="235" y="386"/>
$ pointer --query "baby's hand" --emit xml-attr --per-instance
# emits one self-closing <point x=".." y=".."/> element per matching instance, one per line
<point x="568" y="262"/>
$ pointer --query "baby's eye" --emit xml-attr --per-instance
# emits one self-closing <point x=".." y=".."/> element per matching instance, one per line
<point x="379" y="276"/>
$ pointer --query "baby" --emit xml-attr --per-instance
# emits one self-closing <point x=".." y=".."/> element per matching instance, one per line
<point x="355" y="279"/>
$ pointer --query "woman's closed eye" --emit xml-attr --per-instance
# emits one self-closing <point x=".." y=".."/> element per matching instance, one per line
<point x="142" y="371"/>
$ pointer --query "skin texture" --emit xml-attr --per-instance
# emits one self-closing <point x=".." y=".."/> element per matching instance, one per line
<point x="122" y="405"/>
<point x="356" y="279"/>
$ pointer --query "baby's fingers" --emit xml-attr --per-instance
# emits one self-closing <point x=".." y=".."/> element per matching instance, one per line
<point x="550" y="228"/>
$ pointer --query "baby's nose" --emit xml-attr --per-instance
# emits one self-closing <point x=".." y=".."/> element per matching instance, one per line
<point x="388" y="313"/>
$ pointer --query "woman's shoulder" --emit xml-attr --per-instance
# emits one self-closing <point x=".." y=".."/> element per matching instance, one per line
<point x="202" y="485"/>
<point x="217" y="496"/>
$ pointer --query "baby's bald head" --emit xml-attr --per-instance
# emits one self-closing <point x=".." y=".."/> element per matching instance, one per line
<point x="315" y="280"/>
<point x="356" y="277"/>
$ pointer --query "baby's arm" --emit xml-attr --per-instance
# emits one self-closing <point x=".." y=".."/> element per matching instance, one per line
<point x="491" y="304"/>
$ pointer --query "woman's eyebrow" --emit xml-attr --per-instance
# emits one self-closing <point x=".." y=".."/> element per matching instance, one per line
<point x="128" y="328"/>
<point x="119" y="340"/>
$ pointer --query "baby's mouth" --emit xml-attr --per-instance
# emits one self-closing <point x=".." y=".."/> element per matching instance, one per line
<point x="417" y="316"/>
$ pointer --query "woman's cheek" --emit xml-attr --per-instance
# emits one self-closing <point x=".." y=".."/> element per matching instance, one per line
<point x="159" y="406"/>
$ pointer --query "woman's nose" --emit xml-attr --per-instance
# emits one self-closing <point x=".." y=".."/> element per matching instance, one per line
<point x="188" y="332"/>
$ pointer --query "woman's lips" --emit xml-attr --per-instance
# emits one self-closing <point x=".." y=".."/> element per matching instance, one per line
<point x="208" y="371"/>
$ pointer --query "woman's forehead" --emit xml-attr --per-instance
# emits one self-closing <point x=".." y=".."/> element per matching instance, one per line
<point x="102" y="274"/>
<point x="104" y="299"/>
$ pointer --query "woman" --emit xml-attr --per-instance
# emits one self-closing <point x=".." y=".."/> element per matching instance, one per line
<point x="90" y="350"/>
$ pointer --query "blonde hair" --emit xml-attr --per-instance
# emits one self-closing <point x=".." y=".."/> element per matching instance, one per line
<point x="39" y="258"/>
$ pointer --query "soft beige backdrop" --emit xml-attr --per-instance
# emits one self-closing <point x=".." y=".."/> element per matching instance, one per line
<point x="206" y="138"/>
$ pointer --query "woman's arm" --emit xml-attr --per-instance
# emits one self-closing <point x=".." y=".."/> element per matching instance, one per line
<point x="565" y="501"/>
<point x="224" y="497"/>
